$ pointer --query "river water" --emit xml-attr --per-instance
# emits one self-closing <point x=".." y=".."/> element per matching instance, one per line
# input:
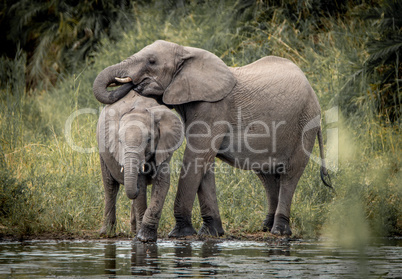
<point x="198" y="259"/>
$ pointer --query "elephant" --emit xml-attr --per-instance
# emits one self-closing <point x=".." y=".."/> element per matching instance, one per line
<point x="136" y="139"/>
<point x="262" y="117"/>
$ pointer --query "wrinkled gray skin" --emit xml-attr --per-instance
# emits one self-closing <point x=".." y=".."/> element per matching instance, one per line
<point x="234" y="103"/>
<point x="136" y="138"/>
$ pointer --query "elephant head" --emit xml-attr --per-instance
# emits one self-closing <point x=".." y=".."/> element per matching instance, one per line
<point x="134" y="133"/>
<point x="147" y="135"/>
<point x="169" y="71"/>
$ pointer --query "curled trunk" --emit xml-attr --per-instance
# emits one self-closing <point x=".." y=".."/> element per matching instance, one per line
<point x="107" y="78"/>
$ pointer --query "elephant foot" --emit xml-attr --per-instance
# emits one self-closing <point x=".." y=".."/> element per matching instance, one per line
<point x="178" y="232"/>
<point x="147" y="234"/>
<point x="268" y="222"/>
<point x="281" y="226"/>
<point x="211" y="227"/>
<point x="210" y="231"/>
<point x="107" y="231"/>
<point x="182" y="229"/>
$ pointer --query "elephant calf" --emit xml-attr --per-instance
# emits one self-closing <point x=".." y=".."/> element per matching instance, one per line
<point x="136" y="138"/>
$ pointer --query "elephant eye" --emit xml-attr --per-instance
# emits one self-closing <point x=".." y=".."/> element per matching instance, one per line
<point x="152" y="61"/>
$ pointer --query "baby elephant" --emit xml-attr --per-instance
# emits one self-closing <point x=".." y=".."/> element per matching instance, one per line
<point x="136" y="138"/>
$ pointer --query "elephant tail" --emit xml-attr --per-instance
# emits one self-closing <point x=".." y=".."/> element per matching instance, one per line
<point x="323" y="171"/>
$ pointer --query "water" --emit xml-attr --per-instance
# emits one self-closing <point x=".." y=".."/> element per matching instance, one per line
<point x="199" y="259"/>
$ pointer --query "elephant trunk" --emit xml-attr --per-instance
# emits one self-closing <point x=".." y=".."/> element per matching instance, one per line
<point x="132" y="165"/>
<point x="107" y="78"/>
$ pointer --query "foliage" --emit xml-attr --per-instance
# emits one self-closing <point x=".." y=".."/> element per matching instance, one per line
<point x="58" y="36"/>
<point x="47" y="186"/>
<point x="384" y="65"/>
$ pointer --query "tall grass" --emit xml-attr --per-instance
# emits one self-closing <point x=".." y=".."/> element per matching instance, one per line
<point x="47" y="186"/>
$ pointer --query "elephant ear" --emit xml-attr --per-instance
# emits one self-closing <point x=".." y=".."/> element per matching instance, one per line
<point x="171" y="133"/>
<point x="201" y="76"/>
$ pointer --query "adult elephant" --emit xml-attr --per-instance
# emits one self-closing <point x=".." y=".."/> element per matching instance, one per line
<point x="136" y="138"/>
<point x="262" y="117"/>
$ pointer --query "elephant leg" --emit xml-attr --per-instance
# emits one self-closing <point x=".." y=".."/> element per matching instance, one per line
<point x="287" y="188"/>
<point x="192" y="173"/>
<point x="139" y="205"/>
<point x="150" y="221"/>
<point x="189" y="183"/>
<point x="111" y="187"/>
<point x="271" y="184"/>
<point x="288" y="183"/>
<point x="212" y="224"/>
<point x="204" y="137"/>
<point x="133" y="221"/>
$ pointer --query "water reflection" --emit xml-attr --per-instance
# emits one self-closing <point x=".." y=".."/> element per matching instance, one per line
<point x="182" y="260"/>
<point x="283" y="250"/>
<point x="209" y="249"/>
<point x="183" y="253"/>
<point x="144" y="258"/>
<point x="200" y="259"/>
<point x="110" y="259"/>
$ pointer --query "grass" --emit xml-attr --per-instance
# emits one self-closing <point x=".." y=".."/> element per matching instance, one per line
<point x="48" y="187"/>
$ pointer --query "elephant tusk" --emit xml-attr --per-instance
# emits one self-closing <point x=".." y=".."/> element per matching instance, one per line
<point x="123" y="80"/>
<point x="122" y="168"/>
<point x="143" y="168"/>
